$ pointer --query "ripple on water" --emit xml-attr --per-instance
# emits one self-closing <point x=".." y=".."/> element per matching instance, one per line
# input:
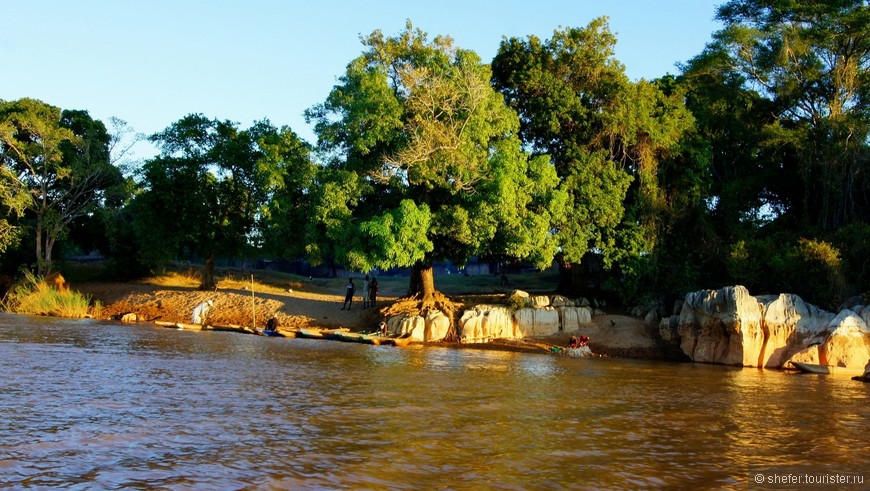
<point x="101" y="405"/>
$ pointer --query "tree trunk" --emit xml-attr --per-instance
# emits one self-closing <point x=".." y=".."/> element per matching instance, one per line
<point x="208" y="282"/>
<point x="40" y="263"/>
<point x="422" y="281"/>
<point x="570" y="278"/>
<point x="49" y="246"/>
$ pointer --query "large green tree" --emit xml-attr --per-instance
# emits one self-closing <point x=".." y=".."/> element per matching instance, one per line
<point x="424" y="164"/>
<point x="605" y="134"/>
<point x="809" y="60"/>
<point x="208" y="191"/>
<point x="13" y="202"/>
<point x="61" y="160"/>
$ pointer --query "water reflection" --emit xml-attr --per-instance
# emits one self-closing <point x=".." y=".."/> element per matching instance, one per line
<point x="102" y="405"/>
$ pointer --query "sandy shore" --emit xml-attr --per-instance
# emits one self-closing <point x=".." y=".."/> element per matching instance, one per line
<point x="232" y="306"/>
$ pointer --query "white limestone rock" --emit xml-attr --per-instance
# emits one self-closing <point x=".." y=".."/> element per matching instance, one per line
<point x="437" y="326"/>
<point x="574" y="318"/>
<point x="722" y="326"/>
<point x="537" y="322"/>
<point x="789" y="326"/>
<point x="540" y="301"/>
<point x="483" y="323"/>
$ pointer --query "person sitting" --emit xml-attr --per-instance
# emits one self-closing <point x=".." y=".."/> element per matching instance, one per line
<point x="272" y="324"/>
<point x="572" y="343"/>
<point x="382" y="328"/>
<point x="584" y="341"/>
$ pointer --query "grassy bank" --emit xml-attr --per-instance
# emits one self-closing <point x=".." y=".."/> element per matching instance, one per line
<point x="33" y="295"/>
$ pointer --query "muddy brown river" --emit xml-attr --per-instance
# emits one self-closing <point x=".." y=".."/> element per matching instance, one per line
<point x="97" y="405"/>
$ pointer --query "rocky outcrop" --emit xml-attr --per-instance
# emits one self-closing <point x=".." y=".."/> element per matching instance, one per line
<point x="433" y="326"/>
<point x="730" y="326"/>
<point x="789" y="324"/>
<point x="845" y="342"/>
<point x="535" y="316"/>
<point x="483" y="323"/>
<point x="722" y="326"/>
<point x="540" y="321"/>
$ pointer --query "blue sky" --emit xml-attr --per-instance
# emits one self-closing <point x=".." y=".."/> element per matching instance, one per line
<point x="152" y="62"/>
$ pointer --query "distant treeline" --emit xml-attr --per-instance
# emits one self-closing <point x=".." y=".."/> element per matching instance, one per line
<point x="748" y="167"/>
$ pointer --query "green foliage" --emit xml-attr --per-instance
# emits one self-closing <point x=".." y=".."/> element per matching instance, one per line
<point x="813" y="270"/>
<point x="396" y="238"/>
<point x="853" y="241"/>
<point x="36" y="297"/>
<point x="424" y="163"/>
<point x="225" y="189"/>
<point x="605" y="135"/>
<point x="13" y="202"/>
<point x="810" y="60"/>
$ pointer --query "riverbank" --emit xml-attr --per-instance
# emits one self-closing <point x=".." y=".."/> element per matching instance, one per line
<point x="302" y="303"/>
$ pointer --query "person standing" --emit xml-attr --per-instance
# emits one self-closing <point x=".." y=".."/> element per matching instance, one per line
<point x="350" y="289"/>
<point x="200" y="312"/>
<point x="373" y="292"/>
<point x="365" y="294"/>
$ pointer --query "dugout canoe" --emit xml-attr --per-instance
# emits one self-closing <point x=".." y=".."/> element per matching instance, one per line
<point x="826" y="369"/>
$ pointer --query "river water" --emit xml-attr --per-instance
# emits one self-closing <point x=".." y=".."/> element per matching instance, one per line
<point x="97" y="405"/>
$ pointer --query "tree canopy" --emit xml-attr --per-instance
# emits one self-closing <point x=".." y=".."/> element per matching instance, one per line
<point x="217" y="181"/>
<point x="605" y="134"/>
<point x="424" y="163"/>
<point x="61" y="160"/>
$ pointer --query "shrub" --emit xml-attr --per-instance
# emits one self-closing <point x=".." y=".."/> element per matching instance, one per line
<point x="815" y="272"/>
<point x="33" y="295"/>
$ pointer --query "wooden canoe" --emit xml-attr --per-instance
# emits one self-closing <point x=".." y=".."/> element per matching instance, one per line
<point x="357" y="337"/>
<point x="315" y="333"/>
<point x="180" y="325"/>
<point x="826" y="369"/>
<point x="207" y="327"/>
<point x="403" y="340"/>
<point x="310" y="333"/>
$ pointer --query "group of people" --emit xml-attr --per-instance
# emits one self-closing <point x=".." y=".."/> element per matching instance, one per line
<point x="369" y="296"/>
<point x="574" y="342"/>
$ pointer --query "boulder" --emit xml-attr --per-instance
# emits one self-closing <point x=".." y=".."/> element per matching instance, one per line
<point x="539" y="301"/>
<point x="731" y="327"/>
<point x="722" y="326"/>
<point x="483" y="323"/>
<point x="560" y="301"/>
<point x="790" y="325"/>
<point x="848" y="344"/>
<point x="669" y="328"/>
<point x="520" y="298"/>
<point x="537" y="322"/>
<point x="130" y="317"/>
<point x="809" y="355"/>
<point x="437" y="326"/>
<point x="574" y="318"/>
<point x="414" y="325"/>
